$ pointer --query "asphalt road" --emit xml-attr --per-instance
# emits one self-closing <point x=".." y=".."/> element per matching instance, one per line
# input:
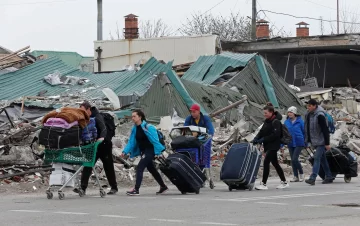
<point x="298" y="205"/>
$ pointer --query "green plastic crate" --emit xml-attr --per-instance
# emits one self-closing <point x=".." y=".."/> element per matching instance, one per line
<point x="83" y="155"/>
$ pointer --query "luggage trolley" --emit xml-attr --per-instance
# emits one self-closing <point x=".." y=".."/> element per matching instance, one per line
<point x="200" y="156"/>
<point x="82" y="155"/>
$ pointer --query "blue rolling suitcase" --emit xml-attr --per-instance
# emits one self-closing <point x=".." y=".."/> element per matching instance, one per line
<point x="241" y="166"/>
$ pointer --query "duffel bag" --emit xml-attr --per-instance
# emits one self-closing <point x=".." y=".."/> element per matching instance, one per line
<point x="183" y="142"/>
<point x="60" y="138"/>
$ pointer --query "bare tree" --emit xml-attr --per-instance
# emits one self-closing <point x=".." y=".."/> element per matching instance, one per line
<point x="154" y="29"/>
<point x="118" y="34"/>
<point x="349" y="21"/>
<point x="231" y="28"/>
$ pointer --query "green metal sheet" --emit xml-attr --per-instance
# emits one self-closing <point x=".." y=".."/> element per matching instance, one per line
<point x="70" y="58"/>
<point x="207" y="69"/>
<point x="266" y="81"/>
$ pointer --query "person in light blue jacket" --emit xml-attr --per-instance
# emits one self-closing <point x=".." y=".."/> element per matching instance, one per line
<point x="295" y="125"/>
<point x="144" y="141"/>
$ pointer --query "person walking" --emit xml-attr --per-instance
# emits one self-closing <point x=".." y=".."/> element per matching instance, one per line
<point x="269" y="136"/>
<point x="104" y="151"/>
<point x="197" y="118"/>
<point x="295" y="125"/>
<point x="318" y="136"/>
<point x="144" y="141"/>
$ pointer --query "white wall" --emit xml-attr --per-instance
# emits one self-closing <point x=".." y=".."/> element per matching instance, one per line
<point x="118" y="53"/>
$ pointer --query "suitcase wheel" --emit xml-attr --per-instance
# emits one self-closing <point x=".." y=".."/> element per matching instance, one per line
<point x="347" y="179"/>
<point x="197" y="192"/>
<point x="183" y="193"/>
<point x="230" y="188"/>
<point x="251" y="187"/>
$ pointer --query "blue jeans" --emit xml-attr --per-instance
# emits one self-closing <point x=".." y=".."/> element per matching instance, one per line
<point x="295" y="163"/>
<point x="320" y="159"/>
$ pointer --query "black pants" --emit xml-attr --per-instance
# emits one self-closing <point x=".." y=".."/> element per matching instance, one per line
<point x="147" y="162"/>
<point x="104" y="152"/>
<point x="271" y="157"/>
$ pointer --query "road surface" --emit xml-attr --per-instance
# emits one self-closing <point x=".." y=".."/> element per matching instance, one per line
<point x="299" y="205"/>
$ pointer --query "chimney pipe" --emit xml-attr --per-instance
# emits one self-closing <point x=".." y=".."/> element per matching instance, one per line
<point x="131" y="30"/>
<point x="262" y="29"/>
<point x="302" y="30"/>
<point x="99" y="20"/>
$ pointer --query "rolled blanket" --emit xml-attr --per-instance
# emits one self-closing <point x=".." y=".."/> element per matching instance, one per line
<point x="59" y="122"/>
<point x="70" y="115"/>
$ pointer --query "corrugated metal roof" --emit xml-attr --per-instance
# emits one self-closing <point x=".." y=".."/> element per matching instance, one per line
<point x="155" y="104"/>
<point x="29" y="81"/>
<point x="70" y="58"/>
<point x="141" y="81"/>
<point x="207" y="69"/>
<point x="249" y="82"/>
<point x="214" y="98"/>
<point x="162" y="98"/>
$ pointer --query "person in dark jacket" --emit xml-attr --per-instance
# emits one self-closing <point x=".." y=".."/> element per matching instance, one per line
<point x="269" y="136"/>
<point x="104" y="151"/>
<point x="198" y="119"/>
<point x="295" y="125"/>
<point x="318" y="136"/>
<point x="144" y="141"/>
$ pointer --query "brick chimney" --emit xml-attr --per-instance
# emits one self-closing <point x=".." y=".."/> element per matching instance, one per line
<point x="131" y="30"/>
<point x="302" y="30"/>
<point x="262" y="29"/>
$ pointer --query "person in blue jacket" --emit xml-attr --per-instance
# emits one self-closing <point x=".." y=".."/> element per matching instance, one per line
<point x="144" y="141"/>
<point x="295" y="125"/>
<point x="198" y="119"/>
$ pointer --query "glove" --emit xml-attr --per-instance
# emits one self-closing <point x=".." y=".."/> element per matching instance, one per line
<point x="255" y="141"/>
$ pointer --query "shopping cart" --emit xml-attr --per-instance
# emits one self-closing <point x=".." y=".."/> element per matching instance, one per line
<point x="202" y="157"/>
<point x="84" y="156"/>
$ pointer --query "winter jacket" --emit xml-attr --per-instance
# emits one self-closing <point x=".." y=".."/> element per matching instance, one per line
<point x="100" y="123"/>
<point x="316" y="129"/>
<point x="132" y="147"/>
<point x="89" y="133"/>
<point x="270" y="133"/>
<point x="204" y="121"/>
<point x="297" y="132"/>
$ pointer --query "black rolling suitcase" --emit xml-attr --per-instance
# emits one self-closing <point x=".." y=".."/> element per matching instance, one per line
<point x="59" y="138"/>
<point x="183" y="173"/>
<point x="241" y="166"/>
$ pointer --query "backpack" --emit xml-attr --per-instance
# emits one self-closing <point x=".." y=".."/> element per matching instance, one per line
<point x="160" y="135"/>
<point x="286" y="137"/>
<point x="110" y="125"/>
<point x="330" y="123"/>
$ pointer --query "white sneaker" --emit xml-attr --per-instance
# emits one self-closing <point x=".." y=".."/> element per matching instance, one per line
<point x="262" y="186"/>
<point x="283" y="185"/>
<point x="295" y="179"/>
<point x="301" y="177"/>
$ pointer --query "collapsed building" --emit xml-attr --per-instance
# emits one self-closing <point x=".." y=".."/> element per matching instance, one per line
<point x="214" y="82"/>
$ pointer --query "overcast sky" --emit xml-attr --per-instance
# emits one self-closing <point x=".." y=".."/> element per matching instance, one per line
<point x="70" y="25"/>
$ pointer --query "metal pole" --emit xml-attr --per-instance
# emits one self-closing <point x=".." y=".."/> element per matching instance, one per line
<point x="243" y="99"/>
<point x="99" y="20"/>
<point x="287" y="66"/>
<point x="338" y="27"/>
<point x="253" y="21"/>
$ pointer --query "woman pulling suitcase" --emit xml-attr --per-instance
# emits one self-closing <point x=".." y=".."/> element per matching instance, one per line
<point x="144" y="141"/>
<point x="269" y="136"/>
<point x="295" y="125"/>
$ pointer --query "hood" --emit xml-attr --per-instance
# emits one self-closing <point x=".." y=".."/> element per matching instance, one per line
<point x="278" y="116"/>
<point x="319" y="110"/>
<point x="94" y="112"/>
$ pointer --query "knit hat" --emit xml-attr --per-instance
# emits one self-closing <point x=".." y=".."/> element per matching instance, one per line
<point x="293" y="110"/>
<point x="195" y="107"/>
